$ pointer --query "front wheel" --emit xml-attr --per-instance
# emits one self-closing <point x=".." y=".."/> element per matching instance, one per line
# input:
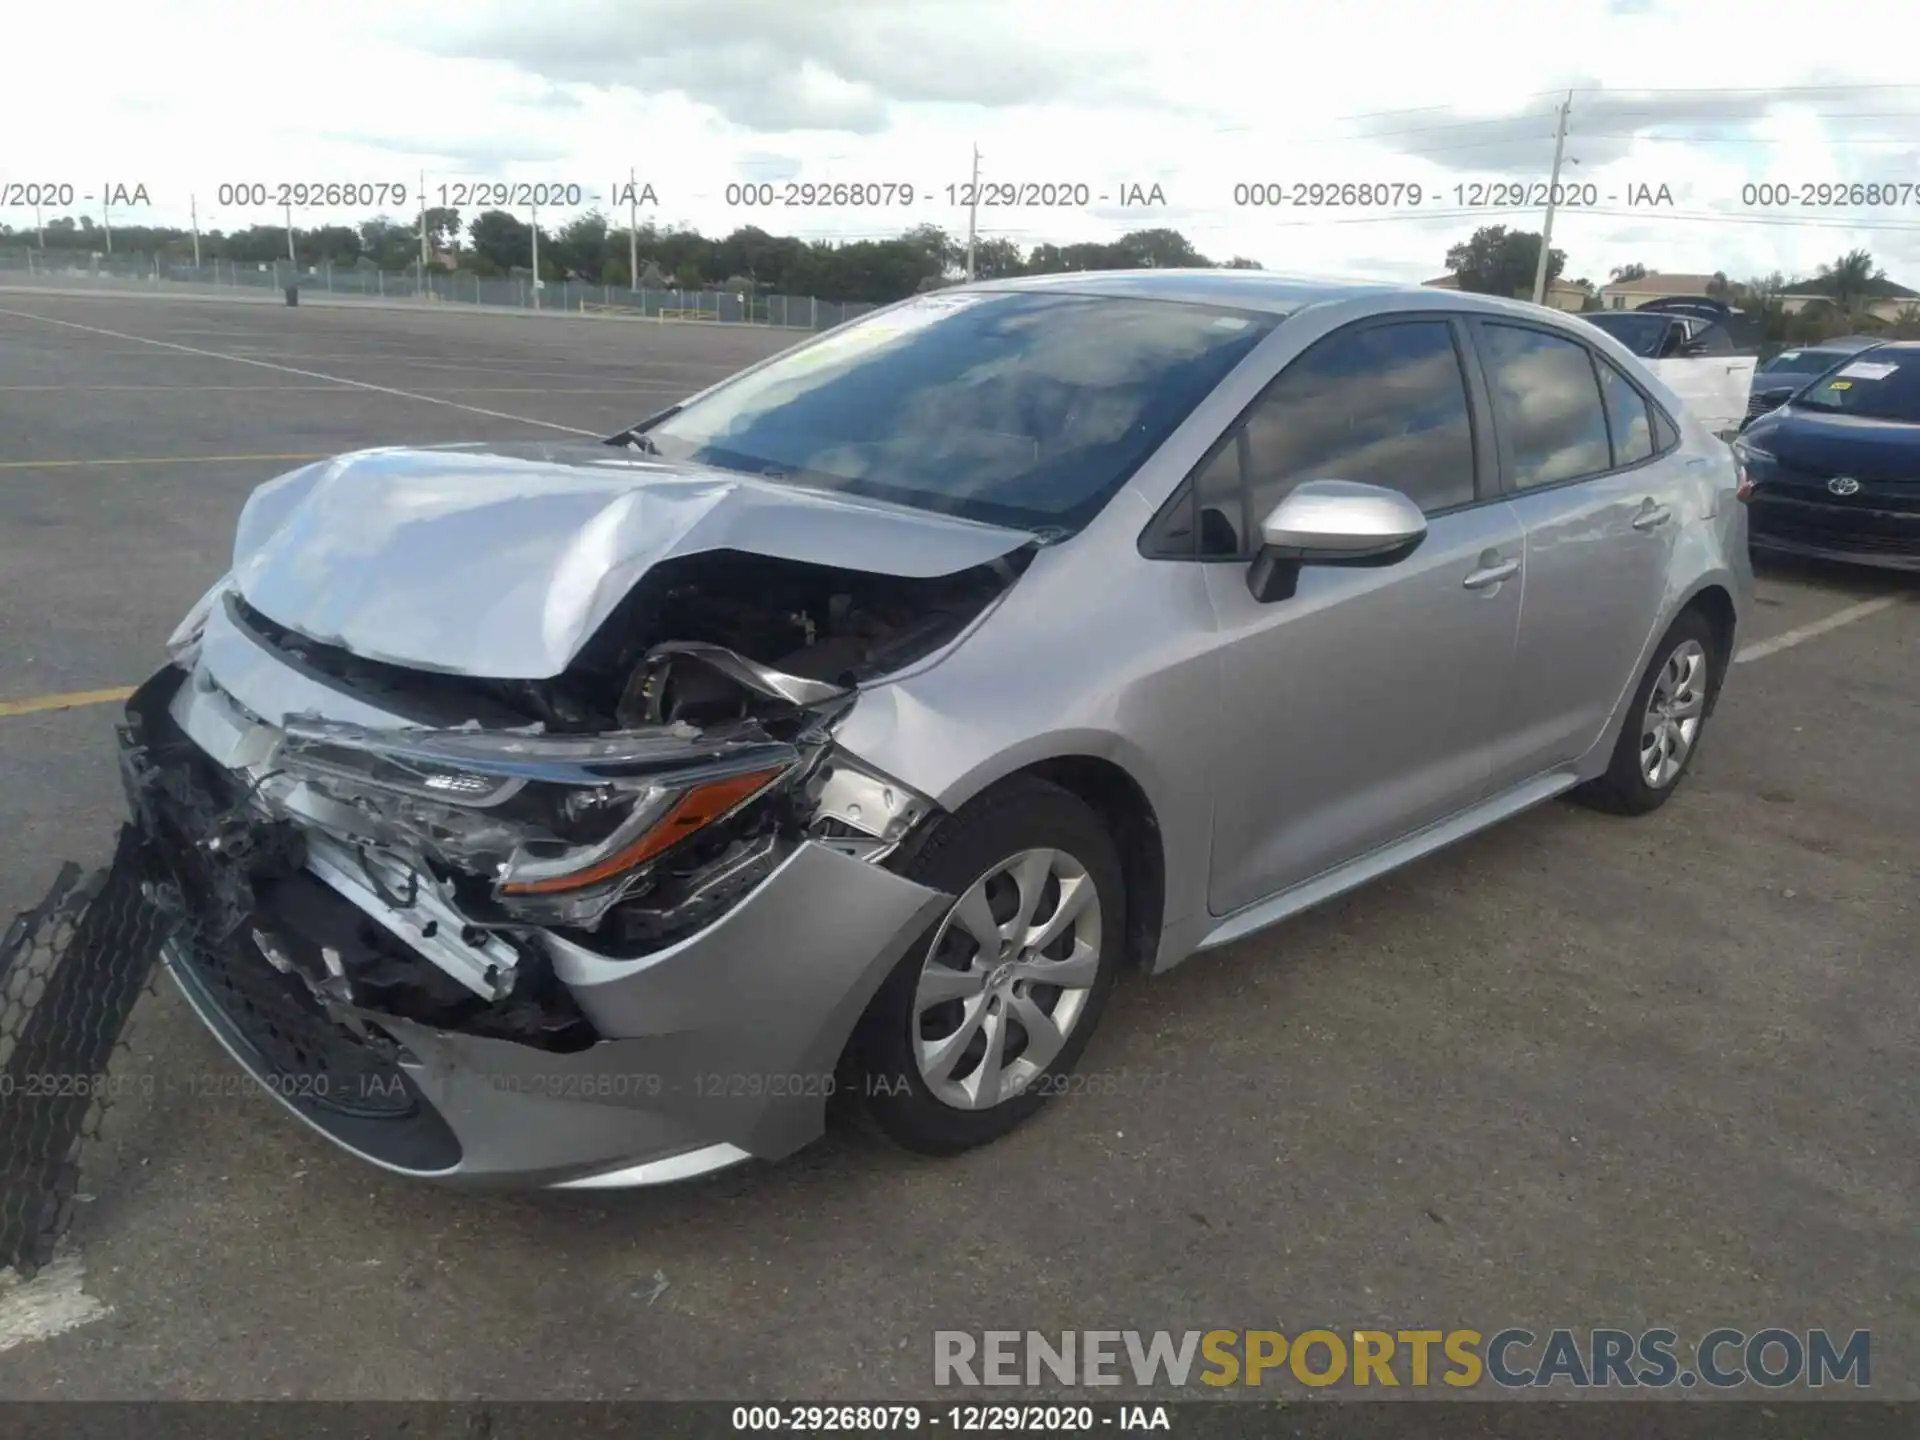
<point x="1664" y="723"/>
<point x="986" y="1016"/>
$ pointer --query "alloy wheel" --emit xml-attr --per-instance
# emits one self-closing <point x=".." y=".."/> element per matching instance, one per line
<point x="1007" y="978"/>
<point x="1673" y="716"/>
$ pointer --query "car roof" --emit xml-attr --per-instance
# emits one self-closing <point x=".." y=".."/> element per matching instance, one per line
<point x="1237" y="289"/>
<point x="1839" y="342"/>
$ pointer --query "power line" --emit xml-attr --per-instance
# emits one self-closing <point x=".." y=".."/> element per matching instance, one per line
<point x="1747" y="140"/>
<point x="1829" y="223"/>
<point x="1741" y="89"/>
<point x="1658" y="116"/>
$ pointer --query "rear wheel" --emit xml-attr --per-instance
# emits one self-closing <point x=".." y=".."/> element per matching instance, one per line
<point x="983" y="1018"/>
<point x="1664" y="724"/>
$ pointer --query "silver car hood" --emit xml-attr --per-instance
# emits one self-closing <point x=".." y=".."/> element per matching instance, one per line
<point x="502" y="561"/>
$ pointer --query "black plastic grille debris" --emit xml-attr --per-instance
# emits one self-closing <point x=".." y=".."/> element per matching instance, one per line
<point x="71" y="970"/>
<point x="309" y="1055"/>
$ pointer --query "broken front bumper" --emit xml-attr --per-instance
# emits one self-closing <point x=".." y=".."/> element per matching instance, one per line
<point x="719" y="1047"/>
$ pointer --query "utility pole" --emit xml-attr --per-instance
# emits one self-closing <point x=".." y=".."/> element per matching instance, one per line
<point x="973" y="210"/>
<point x="1553" y="192"/>
<point x="633" y="229"/>
<point x="193" y="210"/>
<point x="424" y="261"/>
<point x="535" y="210"/>
<point x="39" y="229"/>
<point x="292" y="259"/>
<point x="106" y="223"/>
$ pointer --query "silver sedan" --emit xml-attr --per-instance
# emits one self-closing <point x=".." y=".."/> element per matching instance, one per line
<point x="587" y="814"/>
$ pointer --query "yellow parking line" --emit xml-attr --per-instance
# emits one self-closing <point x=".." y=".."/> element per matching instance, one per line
<point x="147" y="460"/>
<point x="71" y="700"/>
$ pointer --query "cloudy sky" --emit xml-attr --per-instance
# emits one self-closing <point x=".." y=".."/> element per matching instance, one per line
<point x="1700" y="96"/>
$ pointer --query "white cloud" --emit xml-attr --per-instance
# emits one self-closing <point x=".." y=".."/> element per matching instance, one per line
<point x="1196" y="97"/>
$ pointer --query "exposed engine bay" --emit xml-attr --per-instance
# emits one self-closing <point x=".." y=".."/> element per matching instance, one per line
<point x="619" y="806"/>
<point x="835" y="627"/>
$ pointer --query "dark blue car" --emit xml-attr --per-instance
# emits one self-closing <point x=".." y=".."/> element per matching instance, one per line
<point x="1775" y="380"/>
<point x="1835" y="472"/>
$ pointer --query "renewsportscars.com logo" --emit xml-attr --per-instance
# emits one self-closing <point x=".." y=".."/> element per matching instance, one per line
<point x="1512" y="1359"/>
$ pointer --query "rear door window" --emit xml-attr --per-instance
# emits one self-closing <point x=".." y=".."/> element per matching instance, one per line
<point x="1547" y="404"/>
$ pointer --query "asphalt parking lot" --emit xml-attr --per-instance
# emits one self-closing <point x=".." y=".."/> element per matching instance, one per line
<point x="1579" y="1071"/>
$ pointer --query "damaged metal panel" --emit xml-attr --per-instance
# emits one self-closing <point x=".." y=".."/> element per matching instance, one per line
<point x="503" y="561"/>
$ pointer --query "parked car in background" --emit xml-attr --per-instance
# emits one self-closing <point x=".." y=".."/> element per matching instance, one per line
<point x="1660" y="337"/>
<point x="1775" y="380"/>
<point x="1692" y="349"/>
<point x="580" y="814"/>
<point x="1835" y="472"/>
<point x="1742" y="329"/>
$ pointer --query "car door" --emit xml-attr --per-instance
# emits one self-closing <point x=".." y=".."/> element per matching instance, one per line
<point x="1592" y="469"/>
<point x="1355" y="710"/>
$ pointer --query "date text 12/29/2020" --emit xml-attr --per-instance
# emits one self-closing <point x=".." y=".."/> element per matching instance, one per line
<point x="1472" y="195"/>
<point x="997" y="194"/>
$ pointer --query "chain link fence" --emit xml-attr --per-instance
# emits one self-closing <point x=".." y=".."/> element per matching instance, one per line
<point x="71" y="970"/>
<point x="515" y="291"/>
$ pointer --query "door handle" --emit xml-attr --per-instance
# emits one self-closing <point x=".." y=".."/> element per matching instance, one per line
<point x="1651" y="515"/>
<point x="1491" y="574"/>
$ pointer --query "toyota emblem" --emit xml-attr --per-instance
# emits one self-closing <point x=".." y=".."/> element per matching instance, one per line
<point x="1844" y="485"/>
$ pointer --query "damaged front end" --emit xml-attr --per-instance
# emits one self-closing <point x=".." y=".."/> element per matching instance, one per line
<point x="430" y="868"/>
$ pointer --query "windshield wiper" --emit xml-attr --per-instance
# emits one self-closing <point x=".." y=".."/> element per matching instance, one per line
<point x="635" y="437"/>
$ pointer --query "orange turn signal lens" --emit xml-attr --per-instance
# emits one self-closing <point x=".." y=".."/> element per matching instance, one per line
<point x="696" y="809"/>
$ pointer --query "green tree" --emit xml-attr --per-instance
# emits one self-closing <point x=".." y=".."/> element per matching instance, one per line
<point x="390" y="245"/>
<point x="502" y="240"/>
<point x="1850" y="278"/>
<point x="1622" y="273"/>
<point x="1499" y="261"/>
<point x="1158" y="250"/>
<point x="443" y="227"/>
<point x="579" y="247"/>
<point x="996" y="259"/>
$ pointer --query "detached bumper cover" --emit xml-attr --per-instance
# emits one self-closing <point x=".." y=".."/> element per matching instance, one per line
<point x="717" y="1048"/>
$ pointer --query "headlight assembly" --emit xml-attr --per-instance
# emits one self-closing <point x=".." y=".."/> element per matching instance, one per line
<point x="563" y="825"/>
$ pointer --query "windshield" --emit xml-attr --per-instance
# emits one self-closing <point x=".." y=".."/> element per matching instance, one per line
<point x="1015" y="408"/>
<point x="1803" y="362"/>
<point x="1641" y="334"/>
<point x="1882" y="385"/>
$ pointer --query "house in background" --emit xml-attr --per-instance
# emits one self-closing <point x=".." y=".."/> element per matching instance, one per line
<point x="1561" y="294"/>
<point x="1632" y="294"/>
<point x="1881" y="299"/>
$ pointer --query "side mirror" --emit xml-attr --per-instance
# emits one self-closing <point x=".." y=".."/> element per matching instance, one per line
<point x="1332" y="522"/>
<point x="1694" y="347"/>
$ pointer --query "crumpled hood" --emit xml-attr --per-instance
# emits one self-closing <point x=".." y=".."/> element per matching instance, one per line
<point x="502" y="561"/>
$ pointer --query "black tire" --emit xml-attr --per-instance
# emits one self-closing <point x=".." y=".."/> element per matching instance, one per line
<point x="1023" y="813"/>
<point x="1623" y="789"/>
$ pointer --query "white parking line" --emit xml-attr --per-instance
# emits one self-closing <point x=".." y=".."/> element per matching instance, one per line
<point x="1760" y="649"/>
<point x="47" y="1305"/>
<point x="308" y="374"/>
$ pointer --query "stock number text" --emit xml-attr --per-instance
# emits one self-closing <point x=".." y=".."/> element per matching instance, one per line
<point x="1834" y="192"/>
<point x="301" y="194"/>
<point x="801" y="193"/>
<point x="1276" y="194"/>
